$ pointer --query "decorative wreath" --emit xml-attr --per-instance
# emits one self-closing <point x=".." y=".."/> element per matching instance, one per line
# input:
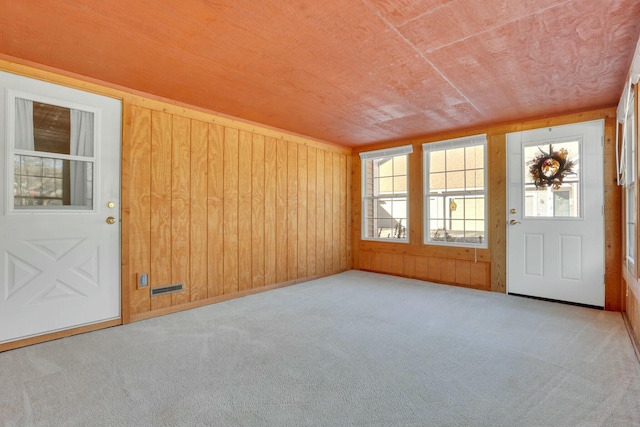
<point x="551" y="168"/>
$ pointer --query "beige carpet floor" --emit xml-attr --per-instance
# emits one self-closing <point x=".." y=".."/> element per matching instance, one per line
<point x="355" y="349"/>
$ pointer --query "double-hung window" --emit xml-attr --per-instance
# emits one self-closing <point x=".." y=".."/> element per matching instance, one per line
<point x="630" y="179"/>
<point x="455" y="192"/>
<point x="384" y="194"/>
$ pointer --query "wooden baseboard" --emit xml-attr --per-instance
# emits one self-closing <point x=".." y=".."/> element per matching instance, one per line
<point x="201" y="303"/>
<point x="632" y="336"/>
<point x="57" y="335"/>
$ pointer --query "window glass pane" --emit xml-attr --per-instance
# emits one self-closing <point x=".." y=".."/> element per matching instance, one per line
<point x="385" y="167"/>
<point x="41" y="181"/>
<point x="390" y="217"/>
<point x="474" y="157"/>
<point x="369" y="181"/>
<point x="400" y="165"/>
<point x="455" y="181"/>
<point x="385" y="185"/>
<point x="455" y="159"/>
<point x="400" y="184"/>
<point x="561" y="203"/>
<point x="436" y="208"/>
<point x="436" y="182"/>
<point x="552" y="180"/>
<point x="631" y="220"/>
<point x="436" y="161"/>
<point x="473" y="179"/>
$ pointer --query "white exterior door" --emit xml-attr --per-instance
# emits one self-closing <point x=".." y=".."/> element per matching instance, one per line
<point x="59" y="208"/>
<point x="555" y="230"/>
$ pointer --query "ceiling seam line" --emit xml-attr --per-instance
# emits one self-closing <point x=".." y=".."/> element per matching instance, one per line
<point x="393" y="28"/>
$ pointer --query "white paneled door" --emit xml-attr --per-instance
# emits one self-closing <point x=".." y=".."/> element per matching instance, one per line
<point x="59" y="208"/>
<point x="555" y="229"/>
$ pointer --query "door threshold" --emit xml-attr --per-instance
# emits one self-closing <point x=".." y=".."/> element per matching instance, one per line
<point x="24" y="342"/>
<point x="577" y="304"/>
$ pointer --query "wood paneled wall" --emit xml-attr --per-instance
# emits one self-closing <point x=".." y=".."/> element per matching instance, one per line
<point x="225" y="209"/>
<point x="483" y="268"/>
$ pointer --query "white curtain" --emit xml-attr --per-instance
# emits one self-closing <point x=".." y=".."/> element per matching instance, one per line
<point x="24" y="124"/>
<point x="81" y="145"/>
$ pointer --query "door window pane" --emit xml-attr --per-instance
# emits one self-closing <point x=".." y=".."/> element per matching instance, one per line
<point x="49" y="140"/>
<point x="552" y="180"/>
<point x="41" y="181"/>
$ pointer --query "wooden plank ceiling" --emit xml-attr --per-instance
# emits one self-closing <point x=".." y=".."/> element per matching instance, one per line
<point x="350" y="72"/>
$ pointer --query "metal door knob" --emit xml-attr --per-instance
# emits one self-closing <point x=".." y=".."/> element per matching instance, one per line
<point x="111" y="220"/>
<point x="514" y="222"/>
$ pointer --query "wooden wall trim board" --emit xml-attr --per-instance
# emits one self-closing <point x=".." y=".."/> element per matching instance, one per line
<point x="57" y="335"/>
<point x="143" y="99"/>
<point x="224" y="297"/>
<point x="614" y="296"/>
<point x="498" y="129"/>
<point x="632" y="297"/>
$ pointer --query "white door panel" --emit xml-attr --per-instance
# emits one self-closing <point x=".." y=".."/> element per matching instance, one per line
<point x="59" y="265"/>
<point x="555" y="236"/>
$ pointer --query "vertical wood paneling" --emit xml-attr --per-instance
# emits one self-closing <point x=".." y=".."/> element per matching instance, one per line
<point x="281" y="211"/>
<point x="312" y="209"/>
<point x="479" y="275"/>
<point x="365" y="260"/>
<point x="161" y="257"/>
<point x="139" y="149"/>
<point x="434" y="269"/>
<point x="336" y="216"/>
<point x="215" y="214"/>
<point x="292" y="211"/>
<point x="382" y="262"/>
<point x="356" y="207"/>
<point x="422" y="268"/>
<point x="225" y="210"/>
<point x="230" y="224"/>
<point x="320" y="215"/>
<point x="448" y="274"/>
<point x="462" y="269"/>
<point x="180" y="206"/>
<point x="415" y="231"/>
<point x="329" y="243"/>
<point x="497" y="194"/>
<point x="257" y="212"/>
<point x="349" y="212"/>
<point x="198" y="228"/>
<point x="397" y="264"/>
<point x="342" y="212"/>
<point x="244" y="210"/>
<point x="409" y="267"/>
<point x="270" y="209"/>
<point x="302" y="211"/>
